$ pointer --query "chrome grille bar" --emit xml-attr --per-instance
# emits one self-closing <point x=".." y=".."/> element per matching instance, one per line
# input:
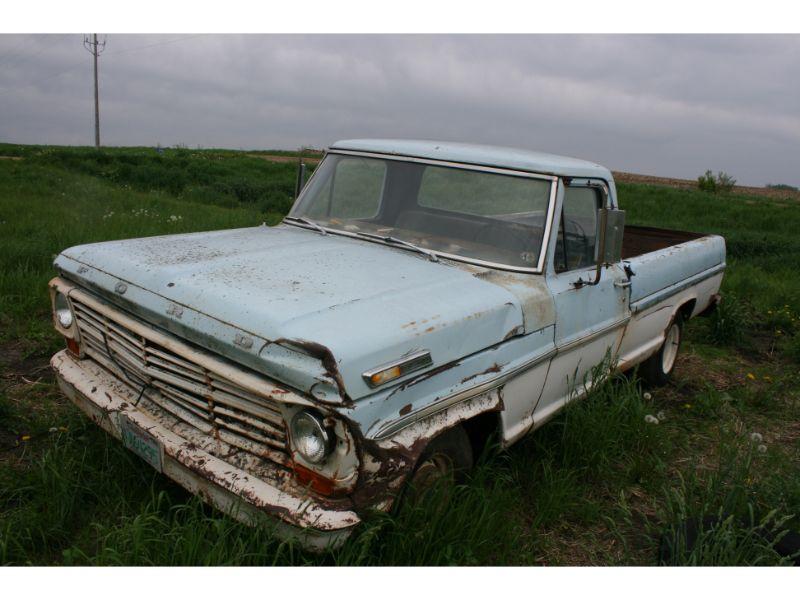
<point x="191" y="392"/>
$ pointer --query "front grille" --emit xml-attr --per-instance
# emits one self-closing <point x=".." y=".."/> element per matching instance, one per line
<point x="192" y="393"/>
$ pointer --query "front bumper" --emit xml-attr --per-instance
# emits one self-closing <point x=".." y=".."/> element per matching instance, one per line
<point x="232" y="490"/>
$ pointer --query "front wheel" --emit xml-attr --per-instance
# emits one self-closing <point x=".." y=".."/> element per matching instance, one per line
<point x="448" y="456"/>
<point x="657" y="369"/>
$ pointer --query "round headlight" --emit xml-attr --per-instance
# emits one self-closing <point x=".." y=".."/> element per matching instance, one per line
<point x="63" y="311"/>
<point x="310" y="436"/>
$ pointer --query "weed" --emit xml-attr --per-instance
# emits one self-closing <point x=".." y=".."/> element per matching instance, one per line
<point x="729" y="322"/>
<point x="721" y="183"/>
<point x="710" y="402"/>
<point x="732" y="515"/>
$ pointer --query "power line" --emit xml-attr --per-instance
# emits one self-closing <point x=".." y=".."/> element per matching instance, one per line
<point x="111" y="53"/>
<point x="164" y="43"/>
<point x="13" y="59"/>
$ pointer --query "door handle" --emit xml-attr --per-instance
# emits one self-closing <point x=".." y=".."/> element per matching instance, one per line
<point x="622" y="284"/>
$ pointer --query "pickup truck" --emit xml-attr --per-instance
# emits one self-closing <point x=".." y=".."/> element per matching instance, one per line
<point x="419" y="298"/>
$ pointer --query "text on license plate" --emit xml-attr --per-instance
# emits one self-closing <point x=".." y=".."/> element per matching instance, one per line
<point x="142" y="443"/>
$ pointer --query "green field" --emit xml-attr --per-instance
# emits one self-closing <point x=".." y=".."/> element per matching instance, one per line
<point x="598" y="485"/>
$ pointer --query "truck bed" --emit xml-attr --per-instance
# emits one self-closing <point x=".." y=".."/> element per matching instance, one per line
<point x="642" y="240"/>
<point x="665" y="260"/>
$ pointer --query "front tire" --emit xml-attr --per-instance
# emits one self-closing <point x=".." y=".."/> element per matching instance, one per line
<point x="448" y="456"/>
<point x="657" y="370"/>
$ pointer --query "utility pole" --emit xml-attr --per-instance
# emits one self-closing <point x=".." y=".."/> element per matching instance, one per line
<point x="96" y="48"/>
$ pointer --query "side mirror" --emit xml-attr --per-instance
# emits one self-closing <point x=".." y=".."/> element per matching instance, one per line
<point x="611" y="223"/>
<point x="610" y="231"/>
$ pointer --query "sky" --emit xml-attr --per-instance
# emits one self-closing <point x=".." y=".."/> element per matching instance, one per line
<point x="668" y="105"/>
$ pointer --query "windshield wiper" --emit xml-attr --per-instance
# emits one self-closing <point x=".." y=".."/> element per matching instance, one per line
<point x="393" y="240"/>
<point x="308" y="222"/>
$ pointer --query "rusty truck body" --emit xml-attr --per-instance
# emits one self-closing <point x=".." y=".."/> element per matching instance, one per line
<point x="418" y="298"/>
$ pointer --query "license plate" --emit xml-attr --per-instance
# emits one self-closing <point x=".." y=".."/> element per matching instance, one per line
<point x="142" y="443"/>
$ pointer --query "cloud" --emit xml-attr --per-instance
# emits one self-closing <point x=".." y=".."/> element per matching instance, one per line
<point x="665" y="105"/>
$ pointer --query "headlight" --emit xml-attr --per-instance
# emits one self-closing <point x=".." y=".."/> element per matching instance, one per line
<point x="310" y="436"/>
<point x="63" y="311"/>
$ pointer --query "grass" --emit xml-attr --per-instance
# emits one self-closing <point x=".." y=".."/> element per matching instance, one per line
<point x="600" y="484"/>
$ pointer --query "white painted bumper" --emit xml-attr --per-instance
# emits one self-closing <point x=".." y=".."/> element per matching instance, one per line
<point x="104" y="398"/>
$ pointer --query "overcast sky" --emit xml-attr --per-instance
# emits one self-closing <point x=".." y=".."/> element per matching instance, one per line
<point x="659" y="105"/>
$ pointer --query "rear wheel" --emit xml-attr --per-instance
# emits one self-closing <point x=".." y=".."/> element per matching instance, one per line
<point x="657" y="369"/>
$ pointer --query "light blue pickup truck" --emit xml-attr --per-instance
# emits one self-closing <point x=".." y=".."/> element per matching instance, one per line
<point x="419" y="298"/>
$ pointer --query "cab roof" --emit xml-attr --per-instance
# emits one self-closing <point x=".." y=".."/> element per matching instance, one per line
<point x="476" y="154"/>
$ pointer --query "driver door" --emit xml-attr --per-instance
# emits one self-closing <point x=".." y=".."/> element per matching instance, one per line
<point x="590" y="319"/>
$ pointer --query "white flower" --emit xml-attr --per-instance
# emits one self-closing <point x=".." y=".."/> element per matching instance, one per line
<point x="650" y="419"/>
<point x="756" y="437"/>
<point x="661" y="415"/>
<point x="53" y="429"/>
<point x="762" y="448"/>
<point x="647" y="396"/>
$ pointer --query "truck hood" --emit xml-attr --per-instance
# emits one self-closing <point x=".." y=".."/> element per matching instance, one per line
<point x="312" y="311"/>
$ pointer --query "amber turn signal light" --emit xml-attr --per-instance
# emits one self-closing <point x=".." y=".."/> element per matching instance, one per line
<point x="73" y="346"/>
<point x="318" y="483"/>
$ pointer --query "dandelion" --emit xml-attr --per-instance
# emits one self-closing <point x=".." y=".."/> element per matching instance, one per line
<point x="25" y="438"/>
<point x="53" y="429"/>
<point x="687" y="406"/>
<point x="661" y="415"/>
<point x="756" y="437"/>
<point x="762" y="449"/>
<point x="650" y="419"/>
<point x="647" y="396"/>
<point x="767" y="378"/>
<point x="751" y="376"/>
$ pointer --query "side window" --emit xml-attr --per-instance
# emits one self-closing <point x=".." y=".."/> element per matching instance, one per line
<point x="577" y="230"/>
<point x="357" y="190"/>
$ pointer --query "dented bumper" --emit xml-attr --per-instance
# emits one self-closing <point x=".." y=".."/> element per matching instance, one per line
<point x="232" y="490"/>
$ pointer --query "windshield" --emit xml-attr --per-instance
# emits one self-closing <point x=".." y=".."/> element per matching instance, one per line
<point x="477" y="215"/>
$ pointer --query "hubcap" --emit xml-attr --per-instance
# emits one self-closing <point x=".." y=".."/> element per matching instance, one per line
<point x="432" y="471"/>
<point x="671" y="344"/>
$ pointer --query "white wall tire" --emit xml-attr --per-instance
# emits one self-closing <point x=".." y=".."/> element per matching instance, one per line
<point x="657" y="370"/>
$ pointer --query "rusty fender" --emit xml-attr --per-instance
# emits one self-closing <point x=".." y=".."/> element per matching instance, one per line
<point x="386" y="463"/>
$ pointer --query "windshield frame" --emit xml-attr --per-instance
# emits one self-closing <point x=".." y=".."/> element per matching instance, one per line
<point x="548" y="225"/>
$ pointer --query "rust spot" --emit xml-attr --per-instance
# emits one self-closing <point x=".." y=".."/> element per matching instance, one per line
<point x="325" y="356"/>
<point x="405" y="410"/>
<point x="429" y="329"/>
<point x="495" y="368"/>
